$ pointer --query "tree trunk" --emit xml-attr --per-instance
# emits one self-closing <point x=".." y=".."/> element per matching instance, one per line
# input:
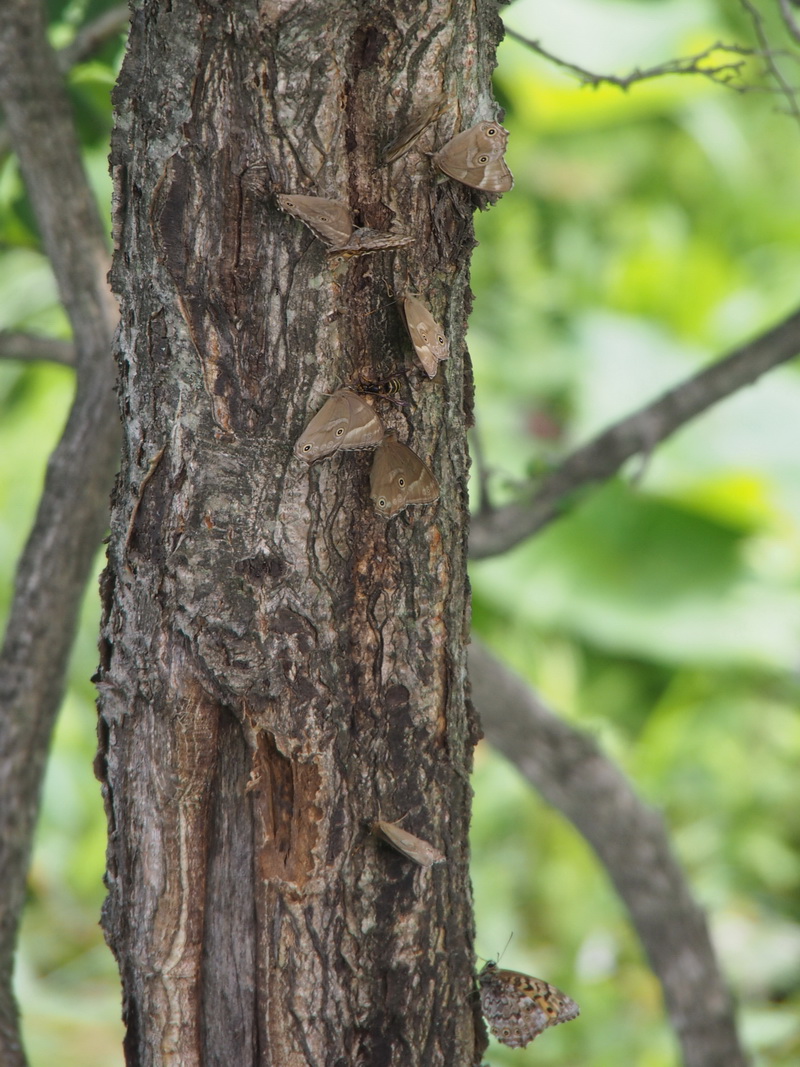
<point x="280" y="666"/>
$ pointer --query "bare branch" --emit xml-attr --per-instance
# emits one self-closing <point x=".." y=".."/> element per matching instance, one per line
<point x="496" y="531"/>
<point x="571" y="772"/>
<point x="57" y="559"/>
<point x="724" y="73"/>
<point x="88" y="40"/>
<point x="91" y="37"/>
<point x="789" y="20"/>
<point x="28" y="348"/>
<point x="482" y="501"/>
<point x="784" y="88"/>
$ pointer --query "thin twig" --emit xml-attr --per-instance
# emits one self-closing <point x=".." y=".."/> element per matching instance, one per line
<point x="789" y="20"/>
<point x="788" y="91"/>
<point x="151" y="470"/>
<point x="28" y="348"/>
<point x="496" y="531"/>
<point x="723" y="73"/>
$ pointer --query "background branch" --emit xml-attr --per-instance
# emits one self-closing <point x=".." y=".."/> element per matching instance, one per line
<point x="493" y="532"/>
<point x="31" y="348"/>
<point x="724" y="73"/>
<point x="480" y="473"/>
<point x="57" y="559"/>
<point x="573" y="775"/>
<point x="789" y="20"/>
<point x="87" y="41"/>
<point x="91" y="37"/>
<point x="788" y="91"/>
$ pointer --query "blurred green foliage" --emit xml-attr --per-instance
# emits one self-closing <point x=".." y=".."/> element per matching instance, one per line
<point x="648" y="232"/>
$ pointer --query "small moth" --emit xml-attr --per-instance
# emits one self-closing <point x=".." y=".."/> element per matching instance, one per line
<point x="413" y="848"/>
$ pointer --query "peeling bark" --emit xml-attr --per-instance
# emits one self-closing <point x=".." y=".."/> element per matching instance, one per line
<point x="281" y="667"/>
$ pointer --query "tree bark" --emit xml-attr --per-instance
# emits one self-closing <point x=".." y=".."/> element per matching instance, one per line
<point x="280" y="667"/>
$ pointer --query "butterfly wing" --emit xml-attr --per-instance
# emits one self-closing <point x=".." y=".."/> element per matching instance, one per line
<point x="344" y="422"/>
<point x="365" y="240"/>
<point x="414" y="128"/>
<point x="413" y="848"/>
<point x="475" y="158"/>
<point x="330" y="220"/>
<point x="518" y="1007"/>
<point x="399" y="478"/>
<point x="427" y="336"/>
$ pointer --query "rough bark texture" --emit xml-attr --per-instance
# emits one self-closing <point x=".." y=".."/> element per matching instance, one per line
<point x="280" y="666"/>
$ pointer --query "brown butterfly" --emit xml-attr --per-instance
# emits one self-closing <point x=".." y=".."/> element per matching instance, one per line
<point x="399" y="478"/>
<point x="427" y="335"/>
<point x="364" y="240"/>
<point x="475" y="158"/>
<point x="344" y="422"/>
<point x="413" y="848"/>
<point x="413" y="129"/>
<point x="330" y="220"/>
<point x="518" y="1007"/>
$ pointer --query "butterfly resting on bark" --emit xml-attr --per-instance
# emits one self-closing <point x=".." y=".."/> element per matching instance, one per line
<point x="332" y="222"/>
<point x="518" y="1007"/>
<point x="475" y="158"/>
<point x="344" y="423"/>
<point x="399" y="478"/>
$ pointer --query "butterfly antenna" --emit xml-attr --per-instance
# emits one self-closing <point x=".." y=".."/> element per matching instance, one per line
<point x="505" y="946"/>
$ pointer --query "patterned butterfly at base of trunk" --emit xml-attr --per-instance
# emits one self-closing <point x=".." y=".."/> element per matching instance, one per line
<point x="518" y="1007"/>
